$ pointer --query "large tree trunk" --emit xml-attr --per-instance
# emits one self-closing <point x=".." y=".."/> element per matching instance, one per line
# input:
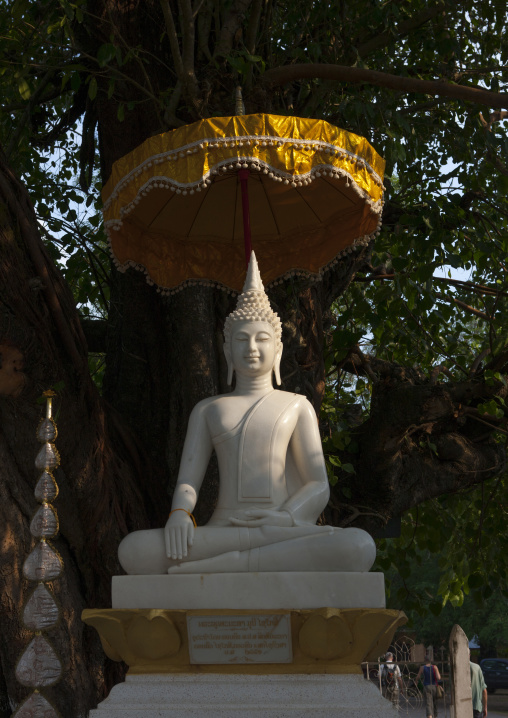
<point x="102" y="492"/>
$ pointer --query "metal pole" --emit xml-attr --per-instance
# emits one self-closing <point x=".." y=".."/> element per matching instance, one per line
<point x="243" y="176"/>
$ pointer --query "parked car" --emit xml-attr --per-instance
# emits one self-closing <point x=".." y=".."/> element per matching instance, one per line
<point x="495" y="672"/>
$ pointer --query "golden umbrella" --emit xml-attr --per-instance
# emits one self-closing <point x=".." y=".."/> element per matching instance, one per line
<point x="176" y="206"/>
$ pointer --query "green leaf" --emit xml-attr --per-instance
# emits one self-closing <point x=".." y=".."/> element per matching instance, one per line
<point x="105" y="54"/>
<point x="24" y="88"/>
<point x="92" y="88"/>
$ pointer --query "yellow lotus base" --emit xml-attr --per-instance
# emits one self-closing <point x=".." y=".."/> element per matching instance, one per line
<point x="327" y="640"/>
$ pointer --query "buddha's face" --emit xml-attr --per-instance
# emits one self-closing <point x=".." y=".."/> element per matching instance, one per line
<point x="254" y="348"/>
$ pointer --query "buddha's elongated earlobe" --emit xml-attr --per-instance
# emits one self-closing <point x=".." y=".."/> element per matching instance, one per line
<point x="231" y="371"/>
<point x="276" y="365"/>
<point x="229" y="362"/>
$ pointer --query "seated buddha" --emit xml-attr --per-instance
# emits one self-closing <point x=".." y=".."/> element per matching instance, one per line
<point x="273" y="480"/>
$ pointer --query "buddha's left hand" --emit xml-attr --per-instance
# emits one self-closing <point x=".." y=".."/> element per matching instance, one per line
<point x="263" y="517"/>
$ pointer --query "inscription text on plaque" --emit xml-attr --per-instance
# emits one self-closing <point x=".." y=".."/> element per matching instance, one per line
<point x="256" y="638"/>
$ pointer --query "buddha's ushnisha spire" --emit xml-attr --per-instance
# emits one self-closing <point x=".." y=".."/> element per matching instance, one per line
<point x="253" y="304"/>
<point x="253" y="279"/>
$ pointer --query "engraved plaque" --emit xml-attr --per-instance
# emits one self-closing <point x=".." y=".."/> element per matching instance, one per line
<point x="46" y="488"/>
<point x="256" y="638"/>
<point x="44" y="523"/>
<point x="47" y="430"/>
<point x="39" y="666"/>
<point x="48" y="457"/>
<point x="42" y="564"/>
<point x="41" y="611"/>
<point x="36" y="706"/>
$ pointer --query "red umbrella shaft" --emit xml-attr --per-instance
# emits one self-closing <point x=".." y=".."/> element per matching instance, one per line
<point x="244" y="176"/>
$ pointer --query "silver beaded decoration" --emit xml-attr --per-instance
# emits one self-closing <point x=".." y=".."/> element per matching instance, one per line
<point x="39" y="666"/>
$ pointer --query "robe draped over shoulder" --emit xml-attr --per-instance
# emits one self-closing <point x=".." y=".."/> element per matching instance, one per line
<point x="260" y="462"/>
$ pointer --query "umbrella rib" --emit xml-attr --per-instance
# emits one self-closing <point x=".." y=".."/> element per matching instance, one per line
<point x="203" y="197"/>
<point x="270" y="205"/>
<point x="335" y="186"/>
<point x="308" y="205"/>
<point x="234" y="210"/>
<point x="150" y="224"/>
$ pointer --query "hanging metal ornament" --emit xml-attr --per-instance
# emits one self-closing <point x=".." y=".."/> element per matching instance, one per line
<point x="41" y="611"/>
<point x="39" y="665"/>
<point x="36" y="706"/>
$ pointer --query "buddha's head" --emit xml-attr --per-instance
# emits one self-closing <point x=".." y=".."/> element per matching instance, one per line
<point x="253" y="329"/>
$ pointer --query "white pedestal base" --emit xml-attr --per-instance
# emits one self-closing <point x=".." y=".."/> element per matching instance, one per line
<point x="250" y="590"/>
<point x="245" y="696"/>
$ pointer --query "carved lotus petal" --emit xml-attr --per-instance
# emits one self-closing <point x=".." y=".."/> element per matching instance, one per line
<point x="42" y="564"/>
<point x="48" y="457"/>
<point x="44" y="522"/>
<point x="41" y="611"/>
<point x="46" y="488"/>
<point x="39" y="666"/>
<point x="153" y="638"/>
<point x="325" y="638"/>
<point x="47" y="430"/>
<point x="36" y="706"/>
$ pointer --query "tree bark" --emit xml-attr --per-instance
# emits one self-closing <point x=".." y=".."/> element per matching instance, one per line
<point x="102" y="494"/>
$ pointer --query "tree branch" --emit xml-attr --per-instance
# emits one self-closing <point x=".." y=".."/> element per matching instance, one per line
<point x="471" y="286"/>
<point x="481" y="356"/>
<point x="404" y="28"/>
<point x="188" y="37"/>
<point x="463" y="305"/>
<point x="493" y="117"/>
<point x="420" y="441"/>
<point x="253" y="26"/>
<point x="231" y="25"/>
<point x="204" y="20"/>
<point x="342" y="73"/>
<point x="173" y="39"/>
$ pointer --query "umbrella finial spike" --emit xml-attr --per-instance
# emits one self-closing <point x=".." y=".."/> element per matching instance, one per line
<point x="239" y="106"/>
<point x="253" y="278"/>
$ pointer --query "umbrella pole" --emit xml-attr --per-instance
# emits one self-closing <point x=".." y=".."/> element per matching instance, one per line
<point x="244" y="176"/>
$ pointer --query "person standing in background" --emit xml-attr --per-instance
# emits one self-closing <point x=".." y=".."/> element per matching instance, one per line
<point x="391" y="680"/>
<point x="430" y="676"/>
<point x="478" y="691"/>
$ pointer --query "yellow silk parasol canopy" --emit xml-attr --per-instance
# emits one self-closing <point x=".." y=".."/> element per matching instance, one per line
<point x="173" y="206"/>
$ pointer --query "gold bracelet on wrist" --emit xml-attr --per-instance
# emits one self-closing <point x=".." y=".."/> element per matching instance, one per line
<point x="188" y="514"/>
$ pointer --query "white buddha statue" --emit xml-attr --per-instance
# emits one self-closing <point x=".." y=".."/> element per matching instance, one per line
<point x="273" y="481"/>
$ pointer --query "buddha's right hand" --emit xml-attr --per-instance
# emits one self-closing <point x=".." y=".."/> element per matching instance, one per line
<point x="178" y="534"/>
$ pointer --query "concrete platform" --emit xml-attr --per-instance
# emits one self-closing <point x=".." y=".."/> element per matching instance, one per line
<point x="260" y="696"/>
<point x="252" y="591"/>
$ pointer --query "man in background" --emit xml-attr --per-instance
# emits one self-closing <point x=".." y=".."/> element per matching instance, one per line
<point x="478" y="691"/>
<point x="391" y="679"/>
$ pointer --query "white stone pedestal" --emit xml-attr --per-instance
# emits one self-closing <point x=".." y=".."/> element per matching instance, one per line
<point x="244" y="696"/>
<point x="254" y="591"/>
